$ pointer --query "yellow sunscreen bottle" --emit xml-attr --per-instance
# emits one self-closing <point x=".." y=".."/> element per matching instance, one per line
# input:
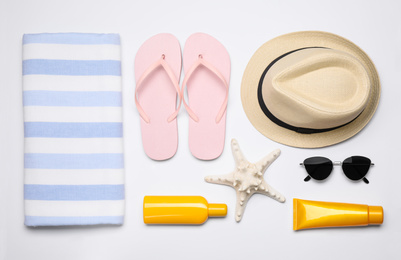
<point x="319" y="214"/>
<point x="180" y="210"/>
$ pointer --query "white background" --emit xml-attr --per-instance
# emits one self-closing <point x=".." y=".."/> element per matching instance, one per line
<point x="265" y="231"/>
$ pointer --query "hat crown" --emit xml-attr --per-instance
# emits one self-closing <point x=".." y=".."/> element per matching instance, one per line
<point x="316" y="88"/>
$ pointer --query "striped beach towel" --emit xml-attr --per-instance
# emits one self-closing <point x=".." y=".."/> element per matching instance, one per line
<point x="74" y="165"/>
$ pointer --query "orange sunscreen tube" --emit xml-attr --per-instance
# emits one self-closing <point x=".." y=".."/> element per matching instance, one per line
<point x="180" y="210"/>
<point x="320" y="214"/>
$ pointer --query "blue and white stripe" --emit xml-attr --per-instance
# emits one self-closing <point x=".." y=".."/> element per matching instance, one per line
<point x="74" y="163"/>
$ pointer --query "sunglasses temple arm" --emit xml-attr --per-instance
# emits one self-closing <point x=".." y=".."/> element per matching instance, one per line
<point x="307" y="177"/>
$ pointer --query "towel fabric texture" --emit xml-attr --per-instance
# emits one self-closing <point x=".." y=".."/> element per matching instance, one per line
<point x="74" y="163"/>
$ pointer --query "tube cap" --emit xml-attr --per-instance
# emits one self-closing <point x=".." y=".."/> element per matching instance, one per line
<point x="217" y="210"/>
<point x="375" y="215"/>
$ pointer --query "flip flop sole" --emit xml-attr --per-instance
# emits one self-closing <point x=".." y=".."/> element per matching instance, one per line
<point x="157" y="95"/>
<point x="206" y="94"/>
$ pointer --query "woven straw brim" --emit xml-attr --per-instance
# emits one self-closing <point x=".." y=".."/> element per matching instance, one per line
<point x="293" y="41"/>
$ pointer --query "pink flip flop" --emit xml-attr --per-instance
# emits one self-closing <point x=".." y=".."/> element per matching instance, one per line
<point x="207" y="76"/>
<point x="157" y="73"/>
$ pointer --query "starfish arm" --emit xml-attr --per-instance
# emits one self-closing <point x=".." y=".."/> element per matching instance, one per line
<point x="227" y="179"/>
<point x="266" y="189"/>
<point x="265" y="162"/>
<point x="238" y="156"/>
<point x="242" y="199"/>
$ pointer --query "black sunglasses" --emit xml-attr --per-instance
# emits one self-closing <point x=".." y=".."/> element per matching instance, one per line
<point x="354" y="167"/>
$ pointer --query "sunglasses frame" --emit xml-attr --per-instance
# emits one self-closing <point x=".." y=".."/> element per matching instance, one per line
<point x="337" y="163"/>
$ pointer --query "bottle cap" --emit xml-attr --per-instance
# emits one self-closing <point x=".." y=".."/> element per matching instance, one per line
<point x="217" y="210"/>
<point x="375" y="215"/>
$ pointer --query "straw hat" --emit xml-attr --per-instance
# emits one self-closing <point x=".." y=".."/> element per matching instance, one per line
<point x="310" y="89"/>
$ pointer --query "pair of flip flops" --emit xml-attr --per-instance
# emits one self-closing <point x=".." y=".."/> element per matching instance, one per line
<point x="207" y="74"/>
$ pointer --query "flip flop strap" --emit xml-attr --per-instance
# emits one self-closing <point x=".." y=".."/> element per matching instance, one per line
<point x="170" y="73"/>
<point x="210" y="67"/>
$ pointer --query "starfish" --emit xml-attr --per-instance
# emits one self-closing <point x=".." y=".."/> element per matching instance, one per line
<point x="247" y="178"/>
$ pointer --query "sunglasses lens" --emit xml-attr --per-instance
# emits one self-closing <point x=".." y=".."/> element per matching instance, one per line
<point x="319" y="168"/>
<point x="356" y="167"/>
